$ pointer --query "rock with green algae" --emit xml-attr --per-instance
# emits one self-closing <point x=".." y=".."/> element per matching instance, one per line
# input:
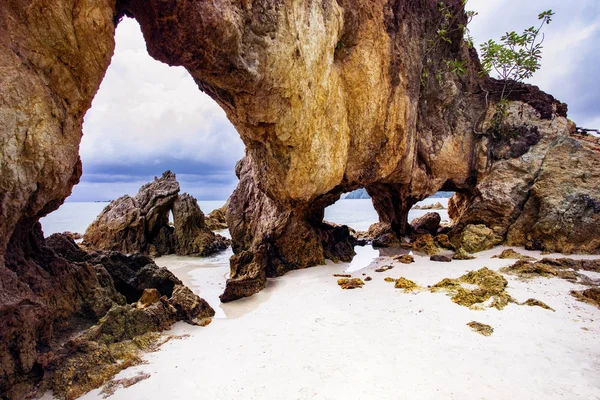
<point x="443" y="241"/>
<point x="590" y="296"/>
<point x="476" y="238"/>
<point x="490" y="285"/>
<point x="482" y="329"/>
<point x="350" y="283"/>
<point x="537" y="303"/>
<point x="406" y="284"/>
<point x="425" y="244"/>
<point x="511" y="254"/>
<point x="563" y="268"/>
<point x="405" y="259"/>
<point x="461" y="254"/>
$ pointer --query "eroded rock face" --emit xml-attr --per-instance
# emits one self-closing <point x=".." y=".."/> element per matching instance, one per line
<point x="217" y="218"/>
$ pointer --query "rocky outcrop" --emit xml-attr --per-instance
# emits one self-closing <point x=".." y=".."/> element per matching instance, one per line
<point x="328" y="96"/>
<point x="66" y="294"/>
<point x="562" y="209"/>
<point x="140" y="224"/>
<point x="217" y="218"/>
<point x="192" y="235"/>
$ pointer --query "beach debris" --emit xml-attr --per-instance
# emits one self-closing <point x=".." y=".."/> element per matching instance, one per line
<point x="590" y="296"/>
<point x="428" y="223"/>
<point x="440" y="258"/>
<point x="405" y="259"/>
<point x="343" y="275"/>
<point x="111" y="386"/>
<point x="406" y="284"/>
<point x="538" y="303"/>
<point x="389" y="279"/>
<point x="461" y="254"/>
<point x="442" y="240"/>
<point x="482" y="329"/>
<point x="511" y="254"/>
<point x="350" y="283"/>
<point x="368" y="278"/>
<point x="490" y="286"/>
<point x="384" y="268"/>
<point x="425" y="244"/>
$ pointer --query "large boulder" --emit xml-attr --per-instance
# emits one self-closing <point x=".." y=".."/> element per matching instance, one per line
<point x="562" y="211"/>
<point x="476" y="238"/>
<point x="428" y="223"/>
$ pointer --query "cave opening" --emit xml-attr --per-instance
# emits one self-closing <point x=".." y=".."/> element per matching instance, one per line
<point x="148" y="117"/>
<point x="354" y="209"/>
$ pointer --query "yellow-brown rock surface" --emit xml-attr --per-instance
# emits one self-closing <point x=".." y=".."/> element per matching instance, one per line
<point x="328" y="96"/>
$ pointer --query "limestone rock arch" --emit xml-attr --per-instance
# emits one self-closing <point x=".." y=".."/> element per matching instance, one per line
<point x="328" y="96"/>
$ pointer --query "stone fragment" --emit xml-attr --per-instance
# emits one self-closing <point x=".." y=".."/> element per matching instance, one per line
<point x="482" y="329"/>
<point x="440" y="258"/>
<point x="461" y="254"/>
<point x="405" y="259"/>
<point x="350" y="283"/>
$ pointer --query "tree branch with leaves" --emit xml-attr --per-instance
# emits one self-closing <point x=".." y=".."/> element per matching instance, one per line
<point x="515" y="58"/>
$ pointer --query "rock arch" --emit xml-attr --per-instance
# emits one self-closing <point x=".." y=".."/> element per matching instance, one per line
<point x="328" y="96"/>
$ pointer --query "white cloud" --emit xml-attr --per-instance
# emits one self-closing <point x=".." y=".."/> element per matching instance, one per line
<point x="145" y="109"/>
<point x="569" y="39"/>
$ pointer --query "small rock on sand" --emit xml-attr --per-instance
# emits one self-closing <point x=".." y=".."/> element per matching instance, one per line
<point x="350" y="283"/>
<point x="440" y="258"/>
<point x="405" y="259"/>
<point x="480" y="328"/>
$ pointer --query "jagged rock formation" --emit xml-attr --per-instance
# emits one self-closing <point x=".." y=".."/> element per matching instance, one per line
<point x="217" y="218"/>
<point x="328" y="96"/>
<point x="68" y="300"/>
<point x="140" y="224"/>
<point x="192" y="235"/>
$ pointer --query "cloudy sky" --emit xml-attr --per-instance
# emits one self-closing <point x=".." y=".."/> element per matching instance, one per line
<point x="148" y="117"/>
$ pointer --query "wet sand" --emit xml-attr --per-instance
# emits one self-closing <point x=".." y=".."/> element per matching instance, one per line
<point x="305" y="338"/>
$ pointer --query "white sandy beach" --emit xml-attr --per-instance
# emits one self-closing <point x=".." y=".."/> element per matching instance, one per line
<point x="306" y="338"/>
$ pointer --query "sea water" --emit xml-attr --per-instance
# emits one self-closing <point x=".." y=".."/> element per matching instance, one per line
<point x="359" y="214"/>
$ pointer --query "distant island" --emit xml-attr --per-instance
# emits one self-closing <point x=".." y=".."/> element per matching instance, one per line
<point x="362" y="194"/>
